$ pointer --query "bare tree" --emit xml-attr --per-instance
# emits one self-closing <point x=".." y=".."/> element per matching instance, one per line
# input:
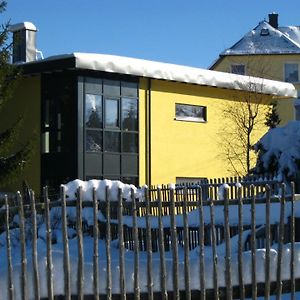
<point x="244" y="119"/>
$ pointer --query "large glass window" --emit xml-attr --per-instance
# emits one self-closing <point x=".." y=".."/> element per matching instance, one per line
<point x="111" y="129"/>
<point x="291" y="72"/>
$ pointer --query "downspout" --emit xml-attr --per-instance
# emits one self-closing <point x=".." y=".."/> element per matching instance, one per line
<point x="148" y="133"/>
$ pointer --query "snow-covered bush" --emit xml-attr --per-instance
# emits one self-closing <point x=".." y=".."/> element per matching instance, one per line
<point x="279" y="152"/>
<point x="113" y="186"/>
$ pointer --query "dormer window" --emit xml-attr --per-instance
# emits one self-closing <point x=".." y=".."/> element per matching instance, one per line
<point x="238" y="69"/>
<point x="264" y="32"/>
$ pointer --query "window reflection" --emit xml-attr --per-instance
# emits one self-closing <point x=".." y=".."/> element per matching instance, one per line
<point x="129" y="114"/>
<point x="112" y="141"/>
<point x="111" y="113"/>
<point x="291" y="73"/>
<point x="93" y="111"/>
<point x="93" y="141"/>
<point x="193" y="113"/>
<point x="130" y="142"/>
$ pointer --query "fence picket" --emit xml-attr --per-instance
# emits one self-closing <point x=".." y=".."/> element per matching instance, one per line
<point x="49" y="245"/>
<point x="136" y="247"/>
<point x="121" y="245"/>
<point x="8" y="251"/>
<point x="174" y="243"/>
<point x="280" y="244"/>
<point x="240" y="244"/>
<point x="80" y="266"/>
<point x="67" y="273"/>
<point x="24" y="292"/>
<point x="36" y="278"/>
<point x="228" y="245"/>
<point x="107" y="246"/>
<point x="149" y="246"/>
<point x="268" y="244"/>
<point x="292" y="238"/>
<point x="253" y="242"/>
<point x="214" y="248"/>
<point x="186" y="247"/>
<point x="201" y="243"/>
<point x="96" y="246"/>
<point x="163" y="272"/>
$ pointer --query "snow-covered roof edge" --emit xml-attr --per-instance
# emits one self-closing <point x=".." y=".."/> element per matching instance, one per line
<point x="179" y="73"/>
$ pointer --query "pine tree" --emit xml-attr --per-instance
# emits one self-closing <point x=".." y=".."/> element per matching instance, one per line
<point x="272" y="117"/>
<point x="11" y="160"/>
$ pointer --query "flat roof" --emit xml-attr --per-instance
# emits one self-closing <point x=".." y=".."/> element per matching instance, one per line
<point x="172" y="72"/>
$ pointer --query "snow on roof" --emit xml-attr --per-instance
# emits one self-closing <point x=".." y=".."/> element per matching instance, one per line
<point x="265" y="39"/>
<point x="179" y="73"/>
<point x="292" y="32"/>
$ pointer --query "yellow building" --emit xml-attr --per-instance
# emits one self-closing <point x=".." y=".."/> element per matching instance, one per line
<point x="103" y="116"/>
<point x="268" y="51"/>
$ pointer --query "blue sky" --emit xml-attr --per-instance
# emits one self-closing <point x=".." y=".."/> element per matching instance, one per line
<point x="191" y="32"/>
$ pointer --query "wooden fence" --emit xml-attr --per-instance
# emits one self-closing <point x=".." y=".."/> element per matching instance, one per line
<point x="157" y="239"/>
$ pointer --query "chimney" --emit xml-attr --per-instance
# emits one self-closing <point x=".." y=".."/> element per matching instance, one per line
<point x="273" y="20"/>
<point x="24" y="42"/>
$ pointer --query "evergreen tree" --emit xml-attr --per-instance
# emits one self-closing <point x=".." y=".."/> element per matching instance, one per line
<point x="11" y="159"/>
<point x="272" y="117"/>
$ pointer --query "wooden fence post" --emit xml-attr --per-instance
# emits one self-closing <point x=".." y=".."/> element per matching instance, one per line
<point x="36" y="277"/>
<point x="228" y="245"/>
<point x="268" y="244"/>
<point x="201" y="245"/>
<point x="253" y="242"/>
<point x="135" y="247"/>
<point x="292" y="263"/>
<point x="214" y="247"/>
<point x="24" y="291"/>
<point x="186" y="247"/>
<point x="121" y="246"/>
<point x="149" y="246"/>
<point x="8" y="249"/>
<point x="49" y="245"/>
<point x="280" y="243"/>
<point x="107" y="245"/>
<point x="67" y="275"/>
<point x="240" y="243"/>
<point x="80" y="266"/>
<point x="96" y="246"/>
<point x="163" y="272"/>
<point x="174" y="246"/>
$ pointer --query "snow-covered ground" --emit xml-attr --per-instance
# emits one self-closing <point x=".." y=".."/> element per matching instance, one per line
<point x="58" y="271"/>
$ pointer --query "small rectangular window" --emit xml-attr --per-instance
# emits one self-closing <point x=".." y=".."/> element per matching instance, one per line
<point x="238" y="69"/>
<point x="291" y="72"/>
<point x="193" y="113"/>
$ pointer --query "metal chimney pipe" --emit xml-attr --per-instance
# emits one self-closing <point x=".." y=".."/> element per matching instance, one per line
<point x="24" y="42"/>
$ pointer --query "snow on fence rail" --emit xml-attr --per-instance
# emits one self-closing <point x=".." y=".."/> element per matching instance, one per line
<point x="53" y="248"/>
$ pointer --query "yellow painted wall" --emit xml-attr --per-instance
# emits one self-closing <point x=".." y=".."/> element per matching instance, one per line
<point x="267" y="66"/>
<point x="179" y="148"/>
<point x="25" y="103"/>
